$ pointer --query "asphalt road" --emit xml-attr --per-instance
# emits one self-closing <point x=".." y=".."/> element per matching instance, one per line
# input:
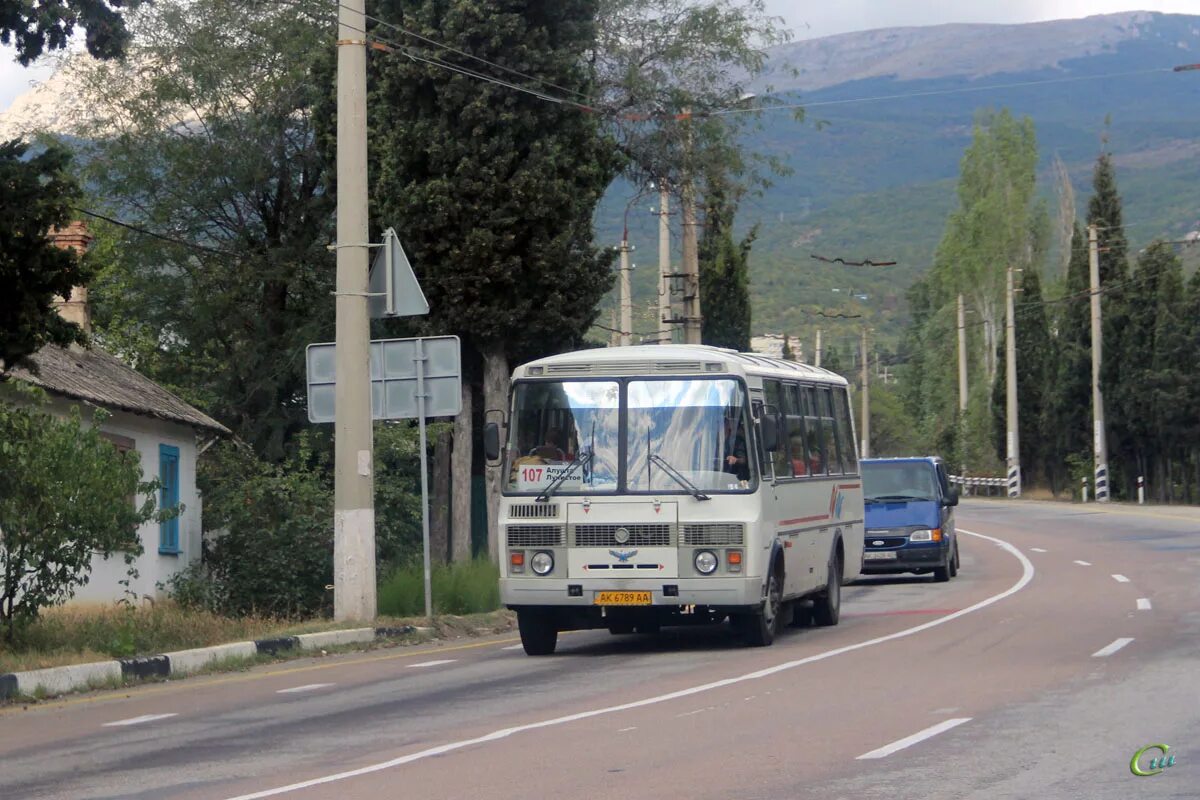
<point x="1068" y="641"/>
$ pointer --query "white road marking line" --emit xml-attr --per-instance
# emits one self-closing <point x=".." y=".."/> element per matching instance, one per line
<point x="137" y="720"/>
<point x="1037" y="550"/>
<point x="1120" y="579"/>
<point x="1143" y="604"/>
<point x="308" y="687"/>
<point x="436" y="663"/>
<point x="513" y="647"/>
<point x="627" y="730"/>
<point x="1027" y="572"/>
<point x="919" y="736"/>
<point x="1084" y="563"/>
<point x="1112" y="648"/>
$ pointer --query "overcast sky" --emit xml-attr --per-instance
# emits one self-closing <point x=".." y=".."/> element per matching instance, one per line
<point x="822" y="18"/>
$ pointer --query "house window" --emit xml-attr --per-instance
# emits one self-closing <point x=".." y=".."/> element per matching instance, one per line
<point x="168" y="497"/>
<point x="127" y="448"/>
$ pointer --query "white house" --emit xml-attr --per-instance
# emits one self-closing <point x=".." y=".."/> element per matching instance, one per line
<point x="166" y="432"/>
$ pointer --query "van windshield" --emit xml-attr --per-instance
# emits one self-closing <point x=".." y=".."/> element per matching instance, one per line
<point x="898" y="481"/>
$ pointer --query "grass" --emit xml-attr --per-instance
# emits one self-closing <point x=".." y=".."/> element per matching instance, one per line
<point x="463" y="588"/>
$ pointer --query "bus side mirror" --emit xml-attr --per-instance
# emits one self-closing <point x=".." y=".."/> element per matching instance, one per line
<point x="769" y="428"/>
<point x="491" y="442"/>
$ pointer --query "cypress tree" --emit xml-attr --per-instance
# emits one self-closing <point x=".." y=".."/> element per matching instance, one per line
<point x="724" y="274"/>
<point x="1069" y="415"/>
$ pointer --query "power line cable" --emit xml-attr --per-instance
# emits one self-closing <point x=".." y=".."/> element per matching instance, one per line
<point x="152" y="234"/>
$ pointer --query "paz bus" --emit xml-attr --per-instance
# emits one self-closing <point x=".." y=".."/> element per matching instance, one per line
<point x="672" y="485"/>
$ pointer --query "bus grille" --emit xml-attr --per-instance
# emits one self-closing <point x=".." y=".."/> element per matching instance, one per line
<point x="534" y="535"/>
<point x="533" y="511"/>
<point x="714" y="534"/>
<point x="640" y="535"/>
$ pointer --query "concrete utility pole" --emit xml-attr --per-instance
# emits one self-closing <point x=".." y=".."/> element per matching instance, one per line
<point x="1099" y="440"/>
<point x="691" y="255"/>
<point x="865" y="450"/>
<point x="626" y="336"/>
<point x="817" y="350"/>
<point x="353" y="487"/>
<point x="1010" y="384"/>
<point x="664" y="266"/>
<point x="962" y="354"/>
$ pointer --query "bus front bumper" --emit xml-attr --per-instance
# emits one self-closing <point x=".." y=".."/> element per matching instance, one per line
<point x="715" y="593"/>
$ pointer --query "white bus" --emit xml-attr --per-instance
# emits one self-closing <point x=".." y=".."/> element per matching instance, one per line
<point x="675" y="484"/>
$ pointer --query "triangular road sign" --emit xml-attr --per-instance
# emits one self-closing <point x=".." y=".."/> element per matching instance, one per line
<point x="393" y="285"/>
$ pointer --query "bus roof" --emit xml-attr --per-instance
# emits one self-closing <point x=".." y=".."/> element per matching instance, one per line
<point x="670" y="359"/>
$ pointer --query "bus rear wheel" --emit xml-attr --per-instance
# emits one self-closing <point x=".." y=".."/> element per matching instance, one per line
<point x="539" y="632"/>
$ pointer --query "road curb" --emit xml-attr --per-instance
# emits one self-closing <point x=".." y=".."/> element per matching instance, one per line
<point x="76" y="677"/>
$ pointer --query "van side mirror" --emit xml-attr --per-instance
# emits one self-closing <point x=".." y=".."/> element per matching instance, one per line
<point x="491" y="442"/>
<point x="951" y="498"/>
<point x="768" y="426"/>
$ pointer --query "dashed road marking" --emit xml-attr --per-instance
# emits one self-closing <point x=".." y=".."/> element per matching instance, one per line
<point x="1143" y="604"/>
<point x="1120" y="578"/>
<point x="121" y="723"/>
<point x="627" y="730"/>
<point x="308" y="687"/>
<point x="513" y="647"/>
<point x="1083" y="563"/>
<point x="436" y="663"/>
<point x="1108" y="650"/>
<point x="1038" y="550"/>
<point x="919" y="736"/>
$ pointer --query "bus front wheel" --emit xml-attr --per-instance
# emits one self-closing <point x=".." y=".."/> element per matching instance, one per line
<point x="758" y="628"/>
<point x="539" y="632"/>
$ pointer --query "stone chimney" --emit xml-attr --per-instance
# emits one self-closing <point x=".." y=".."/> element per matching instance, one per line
<point x="75" y="308"/>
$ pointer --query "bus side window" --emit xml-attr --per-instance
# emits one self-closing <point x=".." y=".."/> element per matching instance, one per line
<point x="817" y="446"/>
<point x="764" y="459"/>
<point x="797" y="444"/>
<point x="841" y="413"/>
<point x="773" y="395"/>
<point x="829" y="429"/>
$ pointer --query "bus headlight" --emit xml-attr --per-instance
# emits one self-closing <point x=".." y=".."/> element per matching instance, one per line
<point x="542" y="563"/>
<point x="706" y="562"/>
<point x="929" y="535"/>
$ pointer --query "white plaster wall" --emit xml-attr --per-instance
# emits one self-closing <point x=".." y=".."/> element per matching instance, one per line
<point x="147" y="434"/>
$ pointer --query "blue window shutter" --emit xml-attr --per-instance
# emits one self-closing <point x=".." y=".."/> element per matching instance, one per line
<point x="168" y="497"/>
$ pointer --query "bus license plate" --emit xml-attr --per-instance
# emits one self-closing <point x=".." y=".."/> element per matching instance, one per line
<point x="879" y="556"/>
<point x="622" y="599"/>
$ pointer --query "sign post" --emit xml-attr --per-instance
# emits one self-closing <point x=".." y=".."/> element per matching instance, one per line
<point x="410" y="379"/>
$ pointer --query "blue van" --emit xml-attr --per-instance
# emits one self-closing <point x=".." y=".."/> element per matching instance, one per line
<point x="910" y="517"/>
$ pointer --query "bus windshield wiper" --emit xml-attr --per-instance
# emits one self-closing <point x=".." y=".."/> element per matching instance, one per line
<point x="583" y="460"/>
<point x="678" y="477"/>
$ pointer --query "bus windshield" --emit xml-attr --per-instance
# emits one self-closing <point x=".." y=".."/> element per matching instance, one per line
<point x="556" y="424"/>
<point x="694" y="428"/>
<point x="683" y="435"/>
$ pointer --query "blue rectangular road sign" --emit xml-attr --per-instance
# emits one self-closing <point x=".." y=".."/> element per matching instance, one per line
<point x="393" y="378"/>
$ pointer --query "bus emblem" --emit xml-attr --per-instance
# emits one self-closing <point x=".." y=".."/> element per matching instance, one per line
<point x="622" y="555"/>
<point x="621" y="535"/>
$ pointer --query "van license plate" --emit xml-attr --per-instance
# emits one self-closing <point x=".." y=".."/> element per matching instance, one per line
<point x="884" y="555"/>
<point x="622" y="599"/>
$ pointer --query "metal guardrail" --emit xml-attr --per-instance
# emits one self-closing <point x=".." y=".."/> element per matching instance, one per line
<point x="981" y="486"/>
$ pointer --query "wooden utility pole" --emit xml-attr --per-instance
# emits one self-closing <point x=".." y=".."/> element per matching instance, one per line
<point x="1099" y="439"/>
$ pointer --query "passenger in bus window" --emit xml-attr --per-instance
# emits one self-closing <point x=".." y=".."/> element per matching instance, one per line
<point x="799" y="467"/>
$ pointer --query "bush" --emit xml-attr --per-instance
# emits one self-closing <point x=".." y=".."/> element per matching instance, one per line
<point x="469" y="587"/>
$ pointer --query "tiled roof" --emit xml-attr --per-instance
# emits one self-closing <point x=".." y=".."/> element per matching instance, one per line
<point x="97" y="377"/>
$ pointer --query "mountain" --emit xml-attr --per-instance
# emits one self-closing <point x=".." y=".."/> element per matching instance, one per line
<point x="888" y="115"/>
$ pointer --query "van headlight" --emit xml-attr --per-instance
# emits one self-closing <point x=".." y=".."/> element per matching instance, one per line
<point x="926" y="535"/>
<point x="706" y="562"/>
<point x="542" y="563"/>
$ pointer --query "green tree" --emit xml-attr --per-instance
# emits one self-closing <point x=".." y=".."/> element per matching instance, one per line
<point x="32" y="28"/>
<point x="36" y="195"/>
<point x="725" y="273"/>
<point x="1035" y="369"/>
<point x="214" y="148"/>
<point x="498" y="223"/>
<point x="64" y="496"/>
<point x="1069" y="415"/>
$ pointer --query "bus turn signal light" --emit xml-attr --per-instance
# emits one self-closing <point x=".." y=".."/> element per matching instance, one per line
<point x="733" y="560"/>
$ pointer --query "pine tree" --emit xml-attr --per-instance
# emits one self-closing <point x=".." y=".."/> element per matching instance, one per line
<point x="1069" y="415"/>
<point x="724" y="273"/>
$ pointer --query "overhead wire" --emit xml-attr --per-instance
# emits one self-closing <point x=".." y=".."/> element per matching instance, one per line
<point x="149" y="233"/>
